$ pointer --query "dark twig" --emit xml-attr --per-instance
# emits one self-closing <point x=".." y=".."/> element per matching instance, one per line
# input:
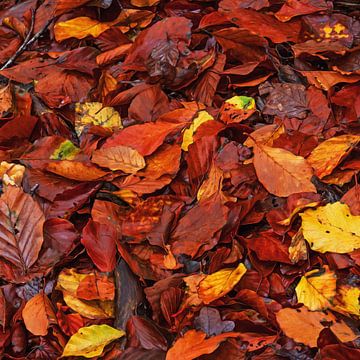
<point x="29" y="40"/>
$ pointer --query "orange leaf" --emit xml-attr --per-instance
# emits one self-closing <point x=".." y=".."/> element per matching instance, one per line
<point x="194" y="344"/>
<point x="281" y="172"/>
<point x="38" y="314"/>
<point x="122" y="158"/>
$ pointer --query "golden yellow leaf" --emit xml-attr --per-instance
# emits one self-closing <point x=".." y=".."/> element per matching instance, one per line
<point x="331" y="228"/>
<point x="218" y="284"/>
<point x="79" y="28"/>
<point x="90" y="309"/>
<point x="95" y="114"/>
<point x="242" y="102"/>
<point x="304" y="326"/>
<point x="38" y="314"/>
<point x="347" y="300"/>
<point x="338" y="147"/>
<point x="11" y="174"/>
<point x="90" y="341"/>
<point x="317" y="289"/>
<point x="203" y="116"/>
<point x="281" y="172"/>
<point x="119" y="157"/>
<point x="212" y="184"/>
<point x="69" y="281"/>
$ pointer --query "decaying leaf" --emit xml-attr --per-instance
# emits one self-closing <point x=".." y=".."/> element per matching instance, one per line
<point x="331" y="228"/>
<point x="11" y="174"/>
<point x="316" y="289"/>
<point x="90" y="341"/>
<point x="347" y="300"/>
<point x="94" y="113"/>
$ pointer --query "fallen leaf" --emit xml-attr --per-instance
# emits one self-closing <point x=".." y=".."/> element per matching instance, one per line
<point x="144" y="3"/>
<point x="316" y="289"/>
<point x="293" y="172"/>
<point x="79" y="28"/>
<point x="11" y="174"/>
<point x="6" y="100"/>
<point x="21" y="221"/>
<point x="90" y="341"/>
<point x="347" y="300"/>
<point x="194" y="344"/>
<point x="119" y="157"/>
<point x="339" y="147"/>
<point x="218" y="284"/>
<point x="331" y="228"/>
<point x="38" y="314"/>
<point x="209" y="321"/>
<point x="94" y="113"/>
<point x="304" y="326"/>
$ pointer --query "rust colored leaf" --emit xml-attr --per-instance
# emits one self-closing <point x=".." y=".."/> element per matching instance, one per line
<point x="21" y="221"/>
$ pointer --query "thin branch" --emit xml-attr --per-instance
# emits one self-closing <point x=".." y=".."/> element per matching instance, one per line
<point x="27" y="41"/>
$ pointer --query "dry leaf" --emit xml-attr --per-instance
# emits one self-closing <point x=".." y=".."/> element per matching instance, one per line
<point x="304" y="326"/>
<point x="331" y="228"/>
<point x="339" y="147"/>
<point x="38" y="314"/>
<point x="293" y="174"/>
<point x="218" y="284"/>
<point x="122" y="158"/>
<point x="11" y="174"/>
<point x="347" y="300"/>
<point x="317" y="289"/>
<point x="90" y="341"/>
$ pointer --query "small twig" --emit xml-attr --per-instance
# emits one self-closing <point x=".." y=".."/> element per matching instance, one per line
<point x="23" y="45"/>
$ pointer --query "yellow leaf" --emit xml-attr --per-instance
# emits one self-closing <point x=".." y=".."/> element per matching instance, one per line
<point x="218" y="284"/>
<point x="304" y="326"/>
<point x="79" y="28"/>
<point x="203" y="116"/>
<point x="90" y="309"/>
<point x="331" y="228"/>
<point x="95" y="114"/>
<point x="347" y="300"/>
<point x="69" y="281"/>
<point x="317" y="289"/>
<point x="11" y="174"/>
<point x="119" y="157"/>
<point x="281" y="172"/>
<point x="66" y="151"/>
<point x="338" y="147"/>
<point x="90" y="341"/>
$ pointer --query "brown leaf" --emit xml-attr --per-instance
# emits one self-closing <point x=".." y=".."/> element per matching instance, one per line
<point x="21" y="222"/>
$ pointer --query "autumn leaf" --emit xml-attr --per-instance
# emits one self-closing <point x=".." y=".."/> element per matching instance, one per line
<point x="21" y="221"/>
<point x="194" y="344"/>
<point x="331" y="228"/>
<point x="316" y="289"/>
<point x="90" y="341"/>
<point x="66" y="151"/>
<point x="347" y="300"/>
<point x="94" y="113"/>
<point x="202" y="117"/>
<point x="11" y="174"/>
<point x="6" y="100"/>
<point x="144" y="3"/>
<point x="119" y="157"/>
<point x="293" y="174"/>
<point x="38" y="314"/>
<point x="304" y="326"/>
<point x="339" y="147"/>
<point x="218" y="284"/>
<point x="79" y="28"/>
<point x="237" y="108"/>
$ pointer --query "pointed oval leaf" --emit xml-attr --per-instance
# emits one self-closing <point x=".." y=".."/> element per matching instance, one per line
<point x="90" y="341"/>
<point x="281" y="172"/>
<point x="331" y="228"/>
